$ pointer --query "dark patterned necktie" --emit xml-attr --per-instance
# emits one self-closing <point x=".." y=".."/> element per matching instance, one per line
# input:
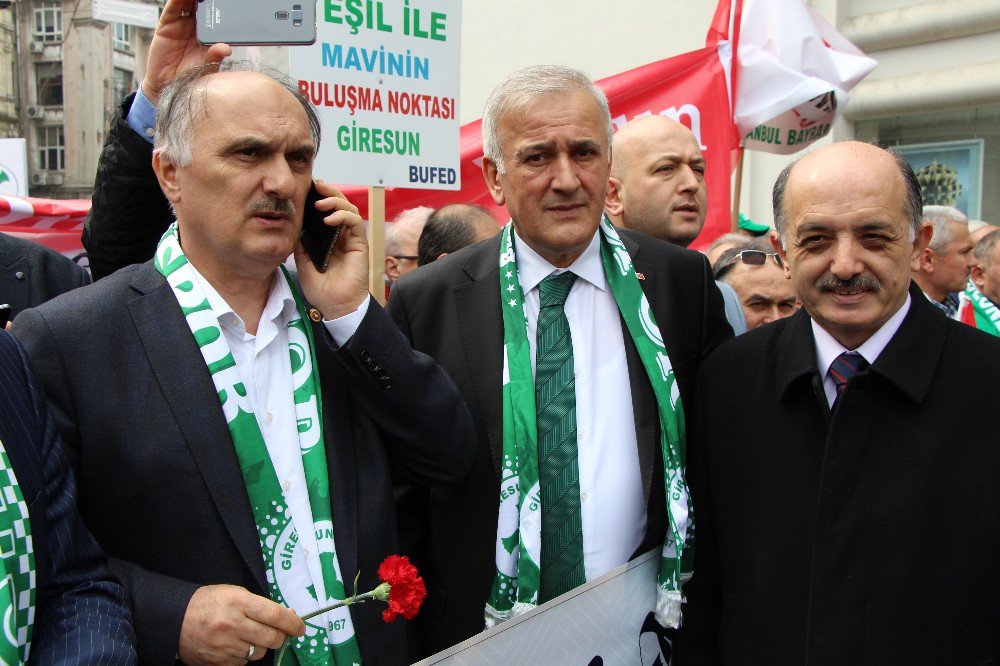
<point x="843" y="368"/>
<point x="561" y="561"/>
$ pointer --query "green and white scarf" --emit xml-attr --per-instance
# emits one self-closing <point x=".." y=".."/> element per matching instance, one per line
<point x="975" y="309"/>
<point x="17" y="568"/>
<point x="518" y="545"/>
<point x="329" y="638"/>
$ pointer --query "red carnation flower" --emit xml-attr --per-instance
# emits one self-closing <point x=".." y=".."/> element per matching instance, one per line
<point x="406" y="587"/>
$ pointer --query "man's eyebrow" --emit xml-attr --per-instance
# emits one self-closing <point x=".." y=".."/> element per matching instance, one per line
<point x="304" y="150"/>
<point x="585" y="143"/>
<point x="537" y="146"/>
<point x="811" y="227"/>
<point x="875" y="225"/>
<point x="244" y="142"/>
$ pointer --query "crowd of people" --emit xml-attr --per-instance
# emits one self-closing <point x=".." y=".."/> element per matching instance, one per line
<point x="798" y="423"/>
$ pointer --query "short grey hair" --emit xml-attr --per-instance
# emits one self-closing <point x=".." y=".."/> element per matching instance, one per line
<point x="182" y="104"/>
<point x="942" y="217"/>
<point x="411" y="218"/>
<point x="518" y="90"/>
<point x="984" y="250"/>
<point x="912" y="201"/>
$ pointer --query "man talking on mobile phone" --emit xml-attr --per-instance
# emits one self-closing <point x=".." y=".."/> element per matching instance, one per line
<point x="233" y="433"/>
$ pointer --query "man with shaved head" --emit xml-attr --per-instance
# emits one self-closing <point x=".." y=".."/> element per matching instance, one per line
<point x="859" y="524"/>
<point x="657" y="183"/>
<point x="657" y="187"/>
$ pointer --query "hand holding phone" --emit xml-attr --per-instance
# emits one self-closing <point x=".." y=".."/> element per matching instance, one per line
<point x="318" y="238"/>
<point x="343" y="286"/>
<point x="257" y="22"/>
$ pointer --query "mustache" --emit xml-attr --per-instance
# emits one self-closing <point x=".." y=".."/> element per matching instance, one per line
<point x="272" y="205"/>
<point x="862" y="281"/>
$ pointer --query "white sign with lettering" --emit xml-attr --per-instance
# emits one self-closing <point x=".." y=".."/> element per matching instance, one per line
<point x="384" y="75"/>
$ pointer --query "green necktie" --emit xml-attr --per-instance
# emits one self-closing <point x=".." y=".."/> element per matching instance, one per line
<point x="558" y="472"/>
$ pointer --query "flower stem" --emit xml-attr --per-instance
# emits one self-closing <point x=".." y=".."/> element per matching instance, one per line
<point x="356" y="599"/>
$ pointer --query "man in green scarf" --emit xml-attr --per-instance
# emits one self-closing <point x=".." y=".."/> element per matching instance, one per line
<point x="233" y="428"/>
<point x="574" y="344"/>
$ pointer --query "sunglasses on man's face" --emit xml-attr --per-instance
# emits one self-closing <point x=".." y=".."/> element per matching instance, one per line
<point x="750" y="258"/>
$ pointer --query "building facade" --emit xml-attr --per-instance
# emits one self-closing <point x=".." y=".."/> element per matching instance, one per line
<point x="72" y="69"/>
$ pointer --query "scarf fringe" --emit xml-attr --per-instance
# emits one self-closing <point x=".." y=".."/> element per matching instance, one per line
<point x="495" y="617"/>
<point x="668" y="608"/>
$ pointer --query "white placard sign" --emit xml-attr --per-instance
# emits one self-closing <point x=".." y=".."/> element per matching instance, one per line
<point x="138" y="14"/>
<point x="384" y="75"/>
<point x="14" y="167"/>
<point x="608" y="622"/>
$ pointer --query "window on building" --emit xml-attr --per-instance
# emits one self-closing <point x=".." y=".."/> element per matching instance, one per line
<point x="48" y="21"/>
<point x="49" y="79"/>
<point x="122" y="40"/>
<point x="955" y="154"/>
<point x="122" y="84"/>
<point x="51" y="152"/>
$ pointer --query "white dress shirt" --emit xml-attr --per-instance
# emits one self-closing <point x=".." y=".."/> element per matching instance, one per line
<point x="611" y="499"/>
<point x="828" y="349"/>
<point x="264" y="365"/>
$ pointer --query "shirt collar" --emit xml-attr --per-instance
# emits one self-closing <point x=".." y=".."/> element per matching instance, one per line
<point x="828" y="349"/>
<point x="279" y="309"/>
<point x="532" y="268"/>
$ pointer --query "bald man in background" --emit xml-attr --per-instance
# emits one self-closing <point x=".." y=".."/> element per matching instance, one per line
<point x="657" y="183"/>
<point x="657" y="187"/>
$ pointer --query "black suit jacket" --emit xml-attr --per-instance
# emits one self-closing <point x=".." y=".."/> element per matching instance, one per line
<point x="80" y="611"/>
<point x="450" y="309"/>
<point x="31" y="274"/>
<point x="160" y="483"/>
<point x="867" y="536"/>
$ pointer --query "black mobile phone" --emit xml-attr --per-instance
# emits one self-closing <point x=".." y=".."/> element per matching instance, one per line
<point x="318" y="238"/>
<point x="4" y="315"/>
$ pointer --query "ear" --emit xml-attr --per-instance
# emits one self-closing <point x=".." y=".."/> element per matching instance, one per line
<point x="613" y="199"/>
<point x="776" y="244"/>
<point x="923" y="238"/>
<point x="443" y="254"/>
<point x="492" y="176"/>
<point x="166" y="174"/>
<point x="923" y="260"/>
<point x="392" y="268"/>
<point x="976" y="275"/>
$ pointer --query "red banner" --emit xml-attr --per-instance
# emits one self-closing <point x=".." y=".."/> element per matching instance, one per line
<point x="54" y="223"/>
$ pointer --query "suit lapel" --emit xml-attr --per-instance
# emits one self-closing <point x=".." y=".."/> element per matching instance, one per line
<point x="480" y="323"/>
<point x="187" y="386"/>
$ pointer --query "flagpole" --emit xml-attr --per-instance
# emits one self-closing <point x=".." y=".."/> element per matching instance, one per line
<point x="737" y="185"/>
<point x="376" y="242"/>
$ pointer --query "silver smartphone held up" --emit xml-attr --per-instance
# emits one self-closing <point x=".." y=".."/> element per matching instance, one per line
<point x="257" y="22"/>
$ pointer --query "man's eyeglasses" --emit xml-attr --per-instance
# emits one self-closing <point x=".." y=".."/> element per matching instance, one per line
<point x="404" y="256"/>
<point x="748" y="257"/>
